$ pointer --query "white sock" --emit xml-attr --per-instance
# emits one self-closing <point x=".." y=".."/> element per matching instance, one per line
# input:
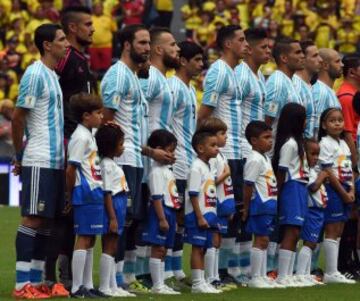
<point x="308" y="267"/>
<point x="284" y="263"/>
<point x="120" y="266"/>
<point x="113" y="284"/>
<point x="303" y="260"/>
<point x="78" y="266"/>
<point x="88" y="279"/>
<point x="162" y="270"/>
<point x="331" y="255"/>
<point x="129" y="266"/>
<point x="38" y="265"/>
<point x="264" y="264"/>
<point x="168" y="258"/>
<point x="216" y="265"/>
<point x="106" y="267"/>
<point x="179" y="274"/>
<point x="155" y="271"/>
<point x="209" y="264"/>
<point x="256" y="260"/>
<point x="292" y="263"/>
<point x="235" y="256"/>
<point x="196" y="276"/>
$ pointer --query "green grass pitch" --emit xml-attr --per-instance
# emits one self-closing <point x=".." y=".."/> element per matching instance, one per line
<point x="9" y="218"/>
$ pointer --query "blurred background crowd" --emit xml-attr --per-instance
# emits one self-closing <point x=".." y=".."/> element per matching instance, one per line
<point x="331" y="24"/>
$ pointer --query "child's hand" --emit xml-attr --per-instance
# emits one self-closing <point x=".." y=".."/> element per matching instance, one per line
<point x="113" y="226"/>
<point x="202" y="223"/>
<point x="163" y="225"/>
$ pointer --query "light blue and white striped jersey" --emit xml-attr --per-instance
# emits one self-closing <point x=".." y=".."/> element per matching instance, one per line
<point x="279" y="92"/>
<point x="304" y="89"/>
<point x="41" y="94"/>
<point x="120" y="91"/>
<point x="183" y="125"/>
<point x="253" y="97"/>
<point x="222" y="92"/>
<point x="158" y="95"/>
<point x="324" y="98"/>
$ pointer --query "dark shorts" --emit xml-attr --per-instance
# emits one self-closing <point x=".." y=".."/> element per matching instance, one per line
<point x="42" y="191"/>
<point x="138" y="207"/>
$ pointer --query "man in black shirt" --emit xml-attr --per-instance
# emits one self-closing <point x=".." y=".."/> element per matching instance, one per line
<point x="75" y="77"/>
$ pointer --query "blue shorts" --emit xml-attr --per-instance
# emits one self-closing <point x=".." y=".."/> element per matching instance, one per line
<point x="119" y="204"/>
<point x="42" y="191"/>
<point x="336" y="210"/>
<point x="293" y="203"/>
<point x="313" y="225"/>
<point x="152" y="233"/>
<point x="198" y="237"/>
<point x="262" y="225"/>
<point x="88" y="219"/>
<point x="223" y="224"/>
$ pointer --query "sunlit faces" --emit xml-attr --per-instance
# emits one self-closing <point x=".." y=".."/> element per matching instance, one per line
<point x="58" y="47"/>
<point x="260" y="51"/>
<point x="335" y="65"/>
<point x="313" y="60"/>
<point x="208" y="148"/>
<point x="334" y="123"/>
<point x="295" y="57"/>
<point x="139" y="49"/>
<point x="238" y="44"/>
<point x="170" y="50"/>
<point x="83" y="29"/>
<point x="94" y="118"/>
<point x="194" y="66"/>
<point x="263" y="143"/>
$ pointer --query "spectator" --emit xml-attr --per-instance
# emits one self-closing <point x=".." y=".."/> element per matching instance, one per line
<point x="132" y="11"/>
<point x="6" y="146"/>
<point x="347" y="36"/>
<point x="190" y="16"/>
<point x="101" y="49"/>
<point x="165" y="10"/>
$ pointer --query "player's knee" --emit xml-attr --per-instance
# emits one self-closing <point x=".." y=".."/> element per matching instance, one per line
<point x="32" y="221"/>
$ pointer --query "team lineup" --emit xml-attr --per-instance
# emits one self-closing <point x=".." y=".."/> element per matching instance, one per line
<point x="259" y="166"/>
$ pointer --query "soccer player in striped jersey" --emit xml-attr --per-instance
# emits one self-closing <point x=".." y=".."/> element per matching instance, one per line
<point x="252" y="83"/>
<point x="183" y="125"/>
<point x="122" y="97"/>
<point x="302" y="82"/>
<point x="323" y="93"/>
<point x="222" y="99"/>
<point x="279" y="87"/>
<point x="39" y="110"/>
<point x="164" y="56"/>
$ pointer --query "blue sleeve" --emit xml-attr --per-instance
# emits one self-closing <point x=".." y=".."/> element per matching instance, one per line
<point x="30" y="90"/>
<point x="273" y="97"/>
<point x="214" y="83"/>
<point x="114" y="87"/>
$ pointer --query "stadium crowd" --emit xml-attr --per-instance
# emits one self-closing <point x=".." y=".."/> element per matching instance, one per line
<point x="233" y="141"/>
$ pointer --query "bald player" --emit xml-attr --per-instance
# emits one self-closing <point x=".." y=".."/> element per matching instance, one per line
<point x="323" y="93"/>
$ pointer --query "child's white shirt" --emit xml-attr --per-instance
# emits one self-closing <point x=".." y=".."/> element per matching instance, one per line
<point x="113" y="177"/>
<point x="319" y="197"/>
<point x="296" y="169"/>
<point x="162" y="185"/>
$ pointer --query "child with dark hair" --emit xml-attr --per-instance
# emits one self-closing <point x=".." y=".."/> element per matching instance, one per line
<point x="335" y="159"/>
<point x="292" y="174"/>
<point x="110" y="142"/>
<point x="200" y="208"/>
<point x="161" y="223"/>
<point x="84" y="189"/>
<point x="225" y="207"/>
<point x="314" y="219"/>
<point x="260" y="200"/>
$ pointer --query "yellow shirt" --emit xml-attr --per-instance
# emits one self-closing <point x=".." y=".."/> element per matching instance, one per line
<point x="205" y="33"/>
<point x="164" y="5"/>
<point x="244" y="15"/>
<point x="209" y="6"/>
<point x="323" y="37"/>
<point x="109" y="6"/>
<point x="287" y="27"/>
<point x="33" y="24"/>
<point x="104" y="27"/>
<point x="347" y="40"/>
<point x="28" y="59"/>
<point x="190" y="16"/>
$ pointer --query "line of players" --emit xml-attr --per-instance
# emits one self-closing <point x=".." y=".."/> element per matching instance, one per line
<point x="234" y="93"/>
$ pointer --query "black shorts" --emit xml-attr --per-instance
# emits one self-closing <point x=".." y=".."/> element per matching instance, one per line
<point x="42" y="191"/>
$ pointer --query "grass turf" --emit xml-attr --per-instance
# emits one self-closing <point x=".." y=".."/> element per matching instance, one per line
<point x="9" y="219"/>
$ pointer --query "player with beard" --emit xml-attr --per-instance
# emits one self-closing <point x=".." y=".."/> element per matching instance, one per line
<point x="302" y="82"/>
<point x="74" y="77"/>
<point x="164" y="56"/>
<point x="122" y="97"/>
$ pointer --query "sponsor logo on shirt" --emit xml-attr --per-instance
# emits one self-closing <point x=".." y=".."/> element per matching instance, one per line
<point x="174" y="195"/>
<point x="210" y="193"/>
<point x="344" y="169"/>
<point x="271" y="183"/>
<point x="228" y="187"/>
